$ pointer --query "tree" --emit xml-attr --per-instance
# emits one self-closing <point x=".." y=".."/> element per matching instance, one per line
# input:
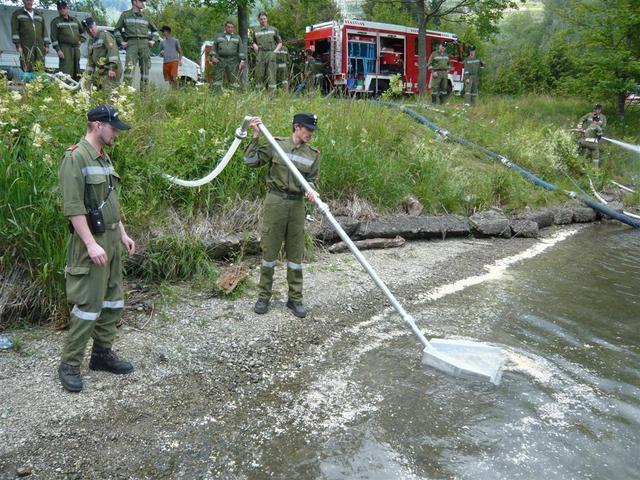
<point x="291" y="17"/>
<point x="484" y="15"/>
<point x="605" y="45"/>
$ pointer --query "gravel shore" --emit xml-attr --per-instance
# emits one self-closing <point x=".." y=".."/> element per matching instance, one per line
<point x="203" y="366"/>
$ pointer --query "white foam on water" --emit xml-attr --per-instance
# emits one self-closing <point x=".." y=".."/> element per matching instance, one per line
<point x="497" y="269"/>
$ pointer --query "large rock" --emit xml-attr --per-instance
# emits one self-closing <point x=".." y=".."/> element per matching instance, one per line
<point x="543" y="218"/>
<point x="524" y="228"/>
<point x="583" y="214"/>
<point x="490" y="224"/>
<point x="228" y="245"/>
<point x="410" y="227"/>
<point x="324" y="231"/>
<point x="562" y="216"/>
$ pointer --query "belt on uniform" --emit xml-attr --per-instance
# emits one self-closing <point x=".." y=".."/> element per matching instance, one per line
<point x="288" y="196"/>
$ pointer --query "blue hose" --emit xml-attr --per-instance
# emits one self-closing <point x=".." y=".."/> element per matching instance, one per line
<point x="599" y="207"/>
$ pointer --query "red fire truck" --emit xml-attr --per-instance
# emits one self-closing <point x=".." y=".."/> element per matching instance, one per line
<point x="363" y="55"/>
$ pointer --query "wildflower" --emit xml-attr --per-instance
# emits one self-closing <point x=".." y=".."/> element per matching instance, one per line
<point x="14" y="130"/>
<point x="203" y="133"/>
<point x="15" y="96"/>
<point x="47" y="100"/>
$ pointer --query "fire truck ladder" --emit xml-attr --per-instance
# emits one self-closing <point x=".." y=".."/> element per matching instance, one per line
<point x="336" y="47"/>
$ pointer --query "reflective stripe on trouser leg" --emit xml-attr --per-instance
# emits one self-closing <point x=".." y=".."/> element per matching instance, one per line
<point x="274" y="228"/>
<point x="272" y="73"/>
<point x="294" y="247"/>
<point x="97" y="295"/>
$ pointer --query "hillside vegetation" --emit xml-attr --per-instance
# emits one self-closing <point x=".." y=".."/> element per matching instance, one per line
<point x="370" y="152"/>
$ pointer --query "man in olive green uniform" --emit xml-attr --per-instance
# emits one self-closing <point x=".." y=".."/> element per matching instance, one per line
<point x="589" y="143"/>
<point x="312" y="72"/>
<point x="283" y="209"/>
<point x="282" y="68"/>
<point x="587" y="118"/>
<point x="29" y="34"/>
<point x="89" y="186"/>
<point x="104" y="62"/>
<point x="228" y="58"/>
<point x="472" y="67"/>
<point x="66" y="38"/>
<point x="439" y="66"/>
<point x="136" y="33"/>
<point x="266" y="44"/>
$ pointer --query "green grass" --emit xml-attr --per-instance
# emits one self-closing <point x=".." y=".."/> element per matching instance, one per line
<point x="369" y="152"/>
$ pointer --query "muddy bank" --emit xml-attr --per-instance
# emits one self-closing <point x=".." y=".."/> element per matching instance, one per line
<point x="204" y="367"/>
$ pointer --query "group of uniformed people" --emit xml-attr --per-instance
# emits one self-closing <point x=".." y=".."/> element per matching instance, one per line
<point x="439" y="66"/>
<point x="134" y="31"/>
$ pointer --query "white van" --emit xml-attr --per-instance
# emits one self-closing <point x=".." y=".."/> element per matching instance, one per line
<point x="188" y="72"/>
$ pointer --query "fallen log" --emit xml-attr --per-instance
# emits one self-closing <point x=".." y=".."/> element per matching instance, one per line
<point x="369" y="243"/>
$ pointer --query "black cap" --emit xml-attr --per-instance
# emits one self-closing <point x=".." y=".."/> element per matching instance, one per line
<point x="472" y="48"/>
<point x="444" y="44"/>
<point x="107" y="114"/>
<point x="306" y="119"/>
<point x="597" y="106"/>
<point x="87" y="22"/>
<point x="61" y="4"/>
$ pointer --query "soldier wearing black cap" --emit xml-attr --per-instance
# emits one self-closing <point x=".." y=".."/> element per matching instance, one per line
<point x="104" y="61"/>
<point x="89" y="186"/>
<point x="472" y="67"/>
<point x="588" y="118"/>
<point x="283" y="209"/>
<point x="439" y="67"/>
<point x="66" y="38"/>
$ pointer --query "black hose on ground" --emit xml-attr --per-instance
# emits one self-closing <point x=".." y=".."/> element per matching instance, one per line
<point x="597" y="206"/>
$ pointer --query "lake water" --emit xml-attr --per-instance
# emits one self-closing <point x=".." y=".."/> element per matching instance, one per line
<point x="568" y="405"/>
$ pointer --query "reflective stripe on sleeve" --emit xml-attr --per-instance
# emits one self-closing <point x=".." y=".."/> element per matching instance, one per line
<point x="90" y="316"/>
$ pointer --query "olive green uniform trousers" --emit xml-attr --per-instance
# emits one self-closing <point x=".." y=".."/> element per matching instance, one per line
<point x="96" y="295"/>
<point x="137" y="54"/>
<point x="70" y="64"/>
<point x="283" y="221"/>
<point x="266" y="69"/>
<point x="226" y="73"/>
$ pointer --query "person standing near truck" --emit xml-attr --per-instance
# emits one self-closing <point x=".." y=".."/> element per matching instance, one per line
<point x="29" y="35"/>
<point x="66" y="38"/>
<point x="439" y="66"/>
<point x="137" y="34"/>
<point x="472" y="67"/>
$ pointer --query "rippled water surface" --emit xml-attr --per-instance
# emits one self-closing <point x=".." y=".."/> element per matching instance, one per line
<point x="568" y="405"/>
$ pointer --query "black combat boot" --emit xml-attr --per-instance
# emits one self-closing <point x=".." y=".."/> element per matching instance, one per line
<point x="105" y="359"/>
<point x="70" y="377"/>
<point x="297" y="308"/>
<point x="262" y="306"/>
<point x="434" y="99"/>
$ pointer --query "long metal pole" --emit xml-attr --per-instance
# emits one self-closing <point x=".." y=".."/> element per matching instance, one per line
<point x="324" y="208"/>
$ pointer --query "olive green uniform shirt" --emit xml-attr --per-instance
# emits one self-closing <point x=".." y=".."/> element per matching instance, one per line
<point x="439" y="62"/>
<point x="279" y="178"/>
<point x="587" y="119"/>
<point x="85" y="179"/>
<point x="132" y="25"/>
<point x="228" y="46"/>
<point x="27" y="32"/>
<point x="103" y="54"/>
<point x="67" y="31"/>
<point x="267" y="38"/>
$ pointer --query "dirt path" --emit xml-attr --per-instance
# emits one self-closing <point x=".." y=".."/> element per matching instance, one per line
<point x="203" y="366"/>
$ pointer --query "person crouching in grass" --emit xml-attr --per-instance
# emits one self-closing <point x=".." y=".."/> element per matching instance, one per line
<point x="172" y="56"/>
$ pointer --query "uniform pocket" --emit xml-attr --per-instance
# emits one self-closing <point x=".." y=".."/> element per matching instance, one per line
<point x="77" y="284"/>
